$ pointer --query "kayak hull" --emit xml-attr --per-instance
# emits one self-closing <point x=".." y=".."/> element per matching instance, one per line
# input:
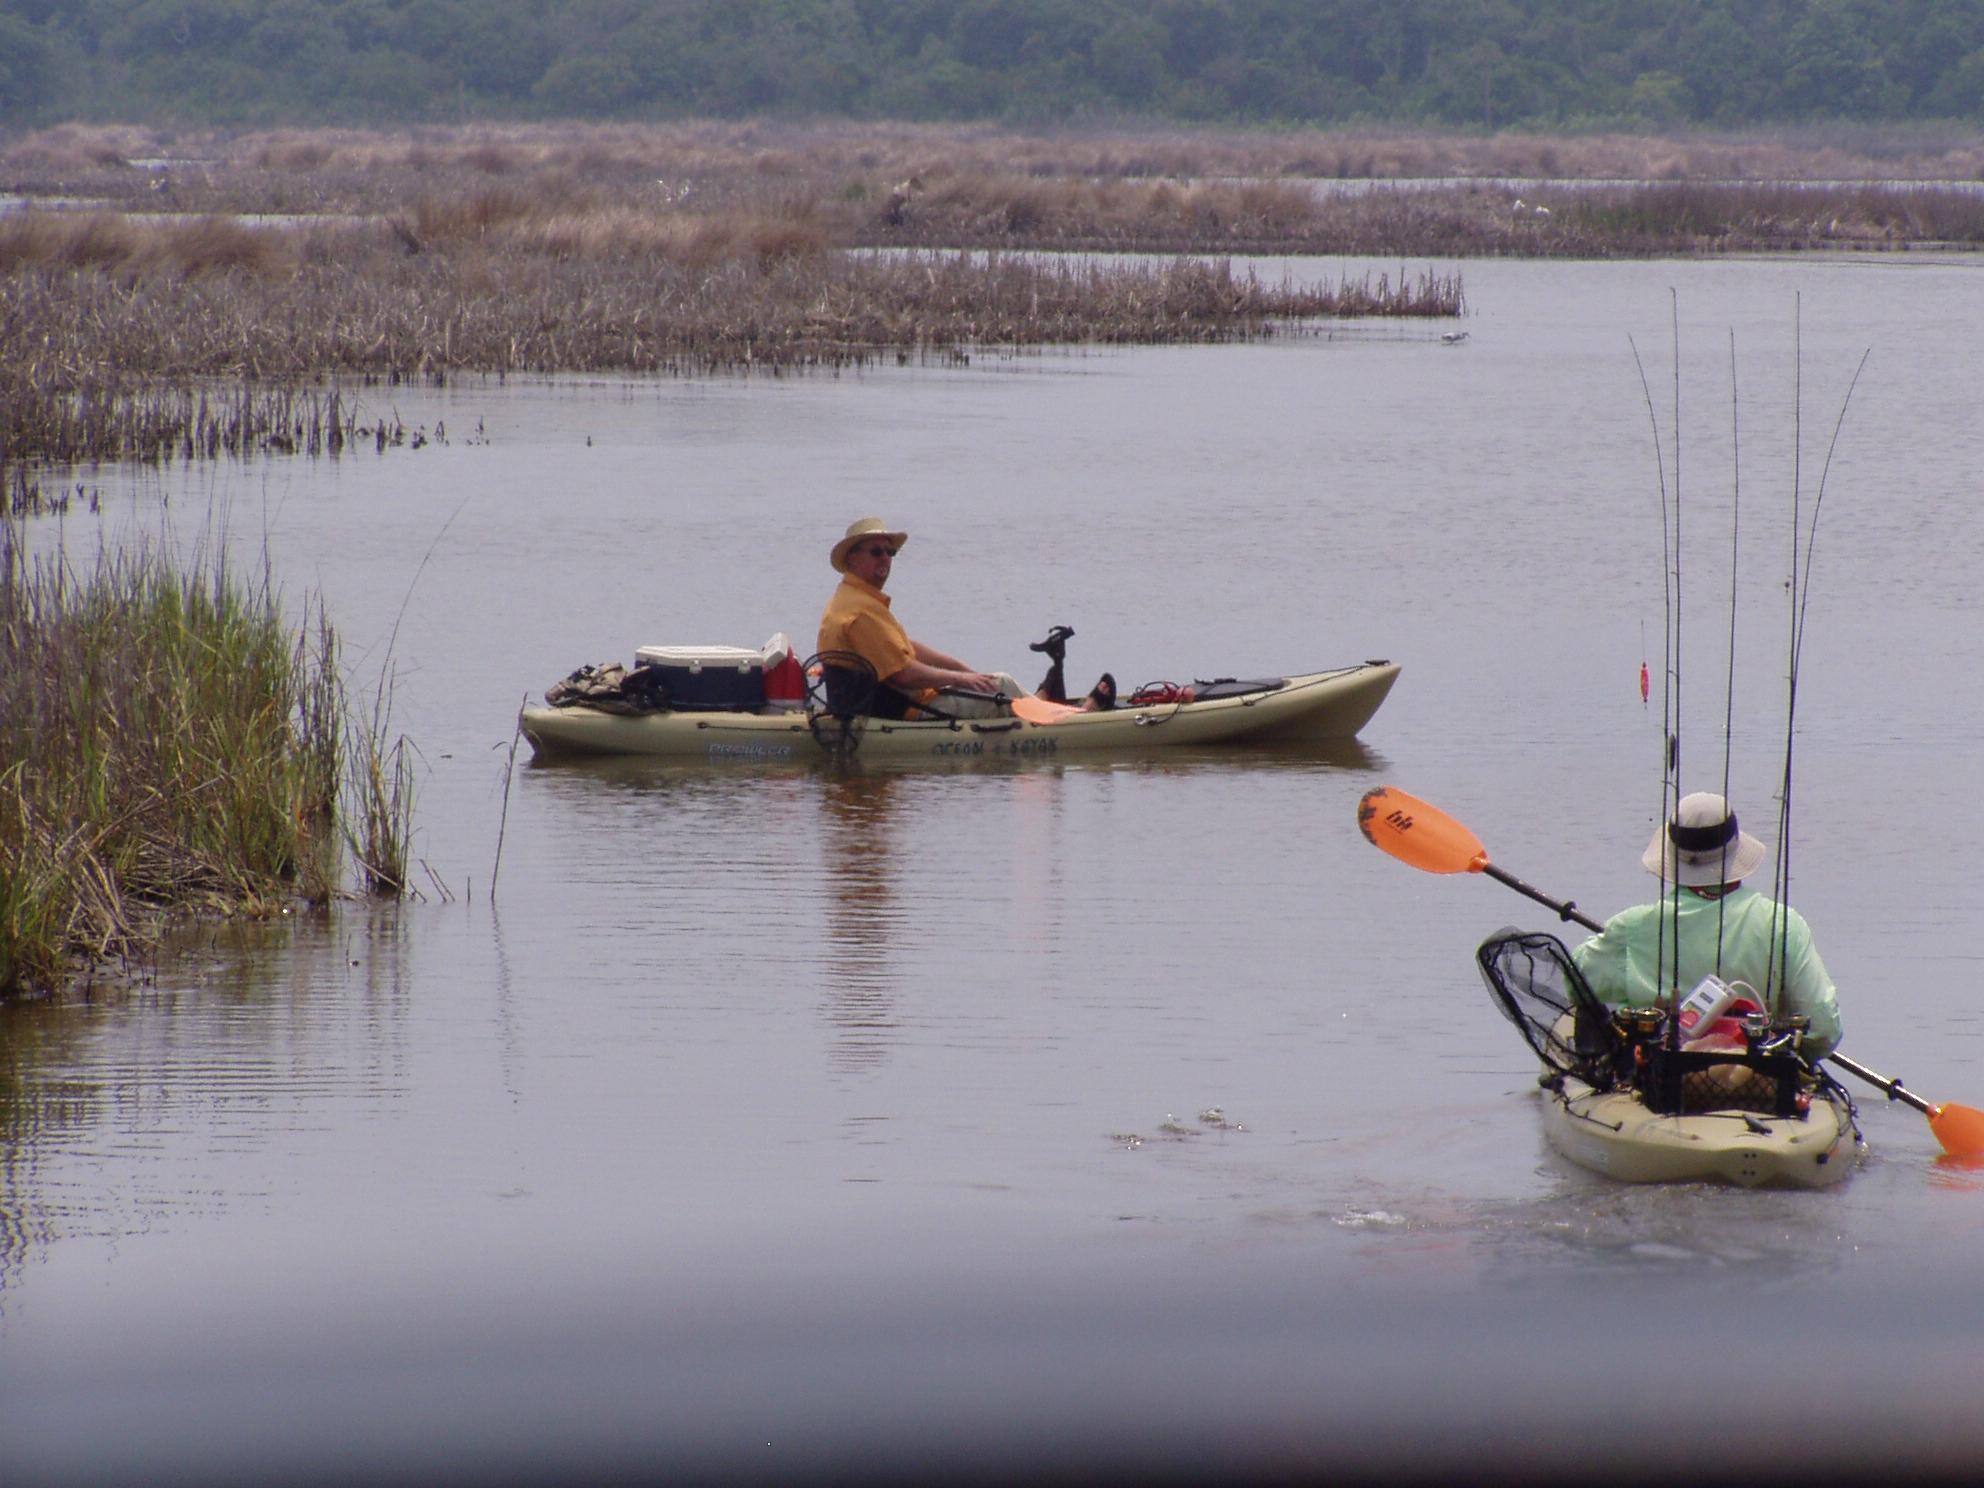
<point x="1313" y="706"/>
<point x="1613" y="1133"/>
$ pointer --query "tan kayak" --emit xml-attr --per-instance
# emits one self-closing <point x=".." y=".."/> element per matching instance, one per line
<point x="1312" y="706"/>
<point x="1612" y="1132"/>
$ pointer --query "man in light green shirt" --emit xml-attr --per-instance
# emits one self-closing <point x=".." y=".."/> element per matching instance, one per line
<point x="1709" y="924"/>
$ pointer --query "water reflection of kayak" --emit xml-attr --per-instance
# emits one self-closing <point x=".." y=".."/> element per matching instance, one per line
<point x="1332" y="704"/>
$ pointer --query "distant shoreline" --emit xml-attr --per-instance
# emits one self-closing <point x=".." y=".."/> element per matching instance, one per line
<point x="1212" y="191"/>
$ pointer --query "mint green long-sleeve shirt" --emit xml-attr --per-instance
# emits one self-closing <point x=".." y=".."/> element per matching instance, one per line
<point x="1620" y="961"/>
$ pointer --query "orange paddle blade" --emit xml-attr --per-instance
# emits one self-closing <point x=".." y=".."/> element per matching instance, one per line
<point x="1039" y="710"/>
<point x="1959" y="1128"/>
<point x="1422" y="836"/>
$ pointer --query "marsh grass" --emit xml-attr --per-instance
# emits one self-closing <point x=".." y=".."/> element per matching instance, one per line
<point x="378" y="827"/>
<point x="127" y="248"/>
<point x="167" y="745"/>
<point x="122" y="416"/>
<point x="1658" y="217"/>
<point x="102" y="363"/>
<point x="1459" y="220"/>
<point x="349" y="170"/>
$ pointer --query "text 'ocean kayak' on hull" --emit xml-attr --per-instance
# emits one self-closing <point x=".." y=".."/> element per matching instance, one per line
<point x="1323" y="705"/>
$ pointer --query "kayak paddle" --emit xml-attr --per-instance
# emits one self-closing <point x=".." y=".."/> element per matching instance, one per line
<point x="1040" y="710"/>
<point x="1430" y="840"/>
<point x="1426" y="838"/>
<point x="1959" y="1128"/>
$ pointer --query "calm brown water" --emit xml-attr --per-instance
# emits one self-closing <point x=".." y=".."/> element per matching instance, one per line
<point x="1138" y="1115"/>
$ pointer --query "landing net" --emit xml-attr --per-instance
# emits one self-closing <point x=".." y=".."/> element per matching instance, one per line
<point x="1540" y="989"/>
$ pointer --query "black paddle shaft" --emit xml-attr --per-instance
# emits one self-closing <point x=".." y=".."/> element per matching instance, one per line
<point x="1566" y="910"/>
<point x="1892" y="1088"/>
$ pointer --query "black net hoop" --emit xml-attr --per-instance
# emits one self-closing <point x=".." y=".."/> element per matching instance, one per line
<point x="1539" y="989"/>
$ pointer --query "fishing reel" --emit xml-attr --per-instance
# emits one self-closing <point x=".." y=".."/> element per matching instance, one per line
<point x="1765" y="1074"/>
<point x="1782" y="1036"/>
<point x="1762" y="1034"/>
<point x="1637" y="1025"/>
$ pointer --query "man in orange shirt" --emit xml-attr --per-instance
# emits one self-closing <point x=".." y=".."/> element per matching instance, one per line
<point x="859" y="619"/>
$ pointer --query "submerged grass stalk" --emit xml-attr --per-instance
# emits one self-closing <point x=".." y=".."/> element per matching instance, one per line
<point x="378" y="828"/>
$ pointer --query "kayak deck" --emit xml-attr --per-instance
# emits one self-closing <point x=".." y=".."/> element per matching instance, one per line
<point x="1612" y="1132"/>
<point x="1324" y="705"/>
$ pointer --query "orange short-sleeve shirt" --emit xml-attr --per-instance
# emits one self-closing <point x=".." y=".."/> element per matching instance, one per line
<point x="859" y="619"/>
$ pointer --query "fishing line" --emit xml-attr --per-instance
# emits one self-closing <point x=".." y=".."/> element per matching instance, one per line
<point x="1801" y="597"/>
<point x="1780" y="922"/>
<point x="1670" y="577"/>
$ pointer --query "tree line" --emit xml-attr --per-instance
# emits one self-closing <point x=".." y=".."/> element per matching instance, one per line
<point x="1490" y="64"/>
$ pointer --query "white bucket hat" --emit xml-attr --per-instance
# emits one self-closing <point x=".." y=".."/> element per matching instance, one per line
<point x="1703" y="846"/>
<point x="866" y="527"/>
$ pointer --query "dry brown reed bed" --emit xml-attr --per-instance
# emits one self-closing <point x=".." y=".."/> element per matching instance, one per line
<point x="115" y="416"/>
<point x="1445" y="221"/>
<point x="895" y="184"/>
<point x="99" y="348"/>
<point x="341" y="170"/>
<point x="1708" y="217"/>
<point x="128" y="248"/>
<point x="380" y="311"/>
<point x="700" y="246"/>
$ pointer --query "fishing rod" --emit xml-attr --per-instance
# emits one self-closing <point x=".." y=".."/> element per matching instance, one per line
<point x="1422" y="836"/>
<point x="1799" y="588"/>
<point x="1670" y="585"/>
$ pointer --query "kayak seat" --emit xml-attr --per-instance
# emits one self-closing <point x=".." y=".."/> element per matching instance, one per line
<point x="844" y="684"/>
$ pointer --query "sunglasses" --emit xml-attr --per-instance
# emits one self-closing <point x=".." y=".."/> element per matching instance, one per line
<point x="878" y="550"/>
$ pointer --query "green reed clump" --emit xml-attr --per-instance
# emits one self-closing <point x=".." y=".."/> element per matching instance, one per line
<point x="166" y="745"/>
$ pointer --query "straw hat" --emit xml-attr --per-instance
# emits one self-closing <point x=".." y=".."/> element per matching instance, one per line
<point x="866" y="527"/>
<point x="1703" y="846"/>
